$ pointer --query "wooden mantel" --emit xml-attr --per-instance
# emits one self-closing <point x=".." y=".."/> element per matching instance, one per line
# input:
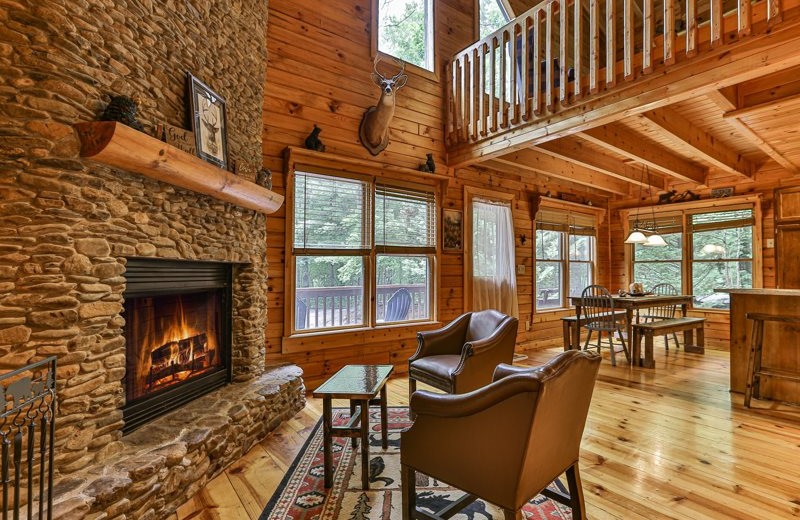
<point x="122" y="147"/>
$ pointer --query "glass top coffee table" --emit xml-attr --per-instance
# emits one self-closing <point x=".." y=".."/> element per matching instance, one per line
<point x="360" y="384"/>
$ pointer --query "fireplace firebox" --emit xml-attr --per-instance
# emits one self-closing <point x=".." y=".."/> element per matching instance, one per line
<point x="177" y="335"/>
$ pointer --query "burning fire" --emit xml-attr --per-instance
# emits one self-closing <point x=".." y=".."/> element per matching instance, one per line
<point x="174" y="345"/>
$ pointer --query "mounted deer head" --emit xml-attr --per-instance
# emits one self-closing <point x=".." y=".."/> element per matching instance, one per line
<point x="374" y="129"/>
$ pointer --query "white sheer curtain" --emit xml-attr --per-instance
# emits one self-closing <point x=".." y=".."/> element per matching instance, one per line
<point x="494" y="282"/>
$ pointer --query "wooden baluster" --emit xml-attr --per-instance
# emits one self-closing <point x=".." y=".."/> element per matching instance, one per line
<point x="324" y="311"/>
<point x="482" y="88"/>
<point x="577" y="59"/>
<point x="774" y="11"/>
<point x="628" y="28"/>
<point x="493" y="84"/>
<point x="563" y="59"/>
<point x="340" y="311"/>
<point x="466" y="92"/>
<point x="611" y="43"/>
<point x="536" y="64"/>
<point x="450" y="120"/>
<point x="516" y="68"/>
<point x="717" y="23"/>
<point x="745" y="17"/>
<point x="458" y="103"/>
<point x="502" y="113"/>
<point x="548" y="56"/>
<point x="477" y="87"/>
<point x="669" y="32"/>
<point x="648" y="32"/>
<point x="594" y="45"/>
<point x="691" y="27"/>
<point x="525" y="72"/>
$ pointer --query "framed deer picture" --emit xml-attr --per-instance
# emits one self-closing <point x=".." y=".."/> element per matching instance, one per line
<point x="209" y="122"/>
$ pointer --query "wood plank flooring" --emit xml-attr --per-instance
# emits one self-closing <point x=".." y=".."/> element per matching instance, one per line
<point x="669" y="443"/>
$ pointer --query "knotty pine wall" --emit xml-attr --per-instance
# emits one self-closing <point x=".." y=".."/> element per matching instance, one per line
<point x="767" y="179"/>
<point x="319" y="73"/>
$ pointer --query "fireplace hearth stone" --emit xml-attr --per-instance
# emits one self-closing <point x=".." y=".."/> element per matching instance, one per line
<point x="164" y="463"/>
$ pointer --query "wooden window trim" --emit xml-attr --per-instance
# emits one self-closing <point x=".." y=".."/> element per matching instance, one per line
<point x="686" y="209"/>
<point x="565" y="271"/>
<point x="296" y="159"/>
<point x="432" y="75"/>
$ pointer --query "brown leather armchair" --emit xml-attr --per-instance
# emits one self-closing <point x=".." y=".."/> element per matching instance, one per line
<point x="507" y="441"/>
<point x="462" y="356"/>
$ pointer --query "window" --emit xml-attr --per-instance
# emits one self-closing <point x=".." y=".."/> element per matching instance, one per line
<point x="722" y="255"/>
<point x="706" y="250"/>
<point x="564" y="254"/>
<point x="493" y="282"/>
<point x="492" y="15"/>
<point x="336" y="265"/>
<point x="405" y="30"/>
<point x="655" y="265"/>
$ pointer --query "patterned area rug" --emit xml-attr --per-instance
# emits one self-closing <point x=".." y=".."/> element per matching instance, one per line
<point x="302" y="494"/>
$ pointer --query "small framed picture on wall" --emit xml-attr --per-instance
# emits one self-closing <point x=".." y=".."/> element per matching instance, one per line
<point x="209" y="122"/>
<point x="452" y="230"/>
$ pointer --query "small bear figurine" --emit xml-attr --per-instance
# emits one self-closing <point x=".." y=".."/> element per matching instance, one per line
<point x="313" y="142"/>
<point x="264" y="178"/>
<point x="122" y="109"/>
<point x="666" y="198"/>
<point x="429" y="166"/>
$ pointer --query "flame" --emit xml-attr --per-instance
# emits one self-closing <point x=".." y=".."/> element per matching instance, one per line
<point x="175" y="345"/>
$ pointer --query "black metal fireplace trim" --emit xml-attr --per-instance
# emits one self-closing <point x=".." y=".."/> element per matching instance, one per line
<point x="153" y="277"/>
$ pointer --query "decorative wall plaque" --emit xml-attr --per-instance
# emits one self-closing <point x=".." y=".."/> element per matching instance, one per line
<point x="180" y="138"/>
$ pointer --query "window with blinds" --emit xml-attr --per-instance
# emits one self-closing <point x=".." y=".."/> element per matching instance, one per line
<point x="337" y="268"/>
<point x="564" y="252"/>
<point x="331" y="213"/>
<point x="714" y="250"/>
<point x="405" y="219"/>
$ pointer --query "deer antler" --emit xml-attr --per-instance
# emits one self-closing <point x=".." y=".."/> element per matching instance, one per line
<point x="375" y="66"/>
<point x="397" y="76"/>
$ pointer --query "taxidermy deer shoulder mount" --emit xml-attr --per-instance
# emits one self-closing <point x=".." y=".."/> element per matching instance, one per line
<point x="374" y="128"/>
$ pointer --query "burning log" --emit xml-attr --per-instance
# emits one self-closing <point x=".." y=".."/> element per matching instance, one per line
<point x="190" y="355"/>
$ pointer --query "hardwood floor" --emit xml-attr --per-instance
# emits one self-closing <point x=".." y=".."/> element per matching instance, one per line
<point x="664" y="443"/>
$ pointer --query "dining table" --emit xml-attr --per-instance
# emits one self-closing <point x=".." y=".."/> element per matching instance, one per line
<point x="629" y="304"/>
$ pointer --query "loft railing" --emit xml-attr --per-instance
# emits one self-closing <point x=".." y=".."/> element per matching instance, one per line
<point x="324" y="307"/>
<point x="550" y="57"/>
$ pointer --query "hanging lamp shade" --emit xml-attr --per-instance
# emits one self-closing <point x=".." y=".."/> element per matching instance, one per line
<point x="655" y="241"/>
<point x="636" y="237"/>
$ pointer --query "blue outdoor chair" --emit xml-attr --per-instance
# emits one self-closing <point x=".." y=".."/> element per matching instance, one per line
<point x="300" y="315"/>
<point x="398" y="305"/>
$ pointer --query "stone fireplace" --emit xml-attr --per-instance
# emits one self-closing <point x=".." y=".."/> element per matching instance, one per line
<point x="73" y="231"/>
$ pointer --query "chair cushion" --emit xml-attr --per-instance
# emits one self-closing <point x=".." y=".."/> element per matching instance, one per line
<point x="483" y="324"/>
<point x="440" y="367"/>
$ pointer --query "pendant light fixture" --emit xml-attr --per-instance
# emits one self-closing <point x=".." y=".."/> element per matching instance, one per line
<point x="636" y="236"/>
<point x="654" y="240"/>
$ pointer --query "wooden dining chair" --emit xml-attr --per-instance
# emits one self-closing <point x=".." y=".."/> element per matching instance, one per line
<point x="662" y="312"/>
<point x="599" y="316"/>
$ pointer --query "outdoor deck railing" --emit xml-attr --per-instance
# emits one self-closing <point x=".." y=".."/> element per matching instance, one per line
<point x="343" y="306"/>
<point x="547" y="58"/>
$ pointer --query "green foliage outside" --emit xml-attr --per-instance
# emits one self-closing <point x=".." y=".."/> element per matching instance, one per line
<point x="492" y="17"/>
<point x="549" y="263"/>
<point x="402" y="30"/>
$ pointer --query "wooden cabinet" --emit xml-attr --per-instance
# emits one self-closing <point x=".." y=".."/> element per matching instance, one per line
<point x="787" y="237"/>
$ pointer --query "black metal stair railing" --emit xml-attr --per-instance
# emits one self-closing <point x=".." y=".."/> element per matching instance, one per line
<point x="27" y="431"/>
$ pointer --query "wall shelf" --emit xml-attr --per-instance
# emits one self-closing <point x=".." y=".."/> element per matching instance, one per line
<point x="120" y="146"/>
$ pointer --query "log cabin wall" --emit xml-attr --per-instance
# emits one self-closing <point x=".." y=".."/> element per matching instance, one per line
<point x="319" y="73"/>
<point x="766" y="180"/>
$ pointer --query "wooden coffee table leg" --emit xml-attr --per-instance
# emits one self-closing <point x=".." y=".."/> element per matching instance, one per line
<point x="384" y="420"/>
<point x="352" y="411"/>
<point x="364" y="444"/>
<point x="327" y="424"/>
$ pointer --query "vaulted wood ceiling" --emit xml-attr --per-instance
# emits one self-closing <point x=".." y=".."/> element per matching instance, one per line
<point x="734" y="132"/>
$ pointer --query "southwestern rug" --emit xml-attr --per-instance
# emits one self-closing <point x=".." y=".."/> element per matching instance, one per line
<point x="302" y="494"/>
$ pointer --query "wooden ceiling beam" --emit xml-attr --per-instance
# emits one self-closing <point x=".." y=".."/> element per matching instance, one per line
<point x="574" y="150"/>
<point x="725" y="100"/>
<point x="543" y="164"/>
<point x="538" y="180"/>
<point x="618" y="139"/>
<point x="672" y="124"/>
<point x="775" y="106"/>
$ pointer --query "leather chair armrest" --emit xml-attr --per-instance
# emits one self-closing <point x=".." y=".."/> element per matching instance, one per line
<point x="446" y="340"/>
<point x="430" y="404"/>
<point x="477" y="347"/>
<point x="503" y="370"/>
